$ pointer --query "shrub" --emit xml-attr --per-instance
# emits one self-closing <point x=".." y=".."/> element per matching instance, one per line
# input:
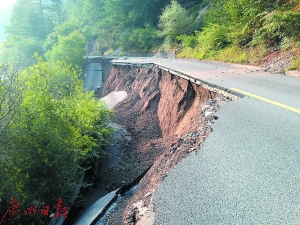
<point x="141" y="39"/>
<point x="276" y="26"/>
<point x="56" y="129"/>
<point x="188" y="41"/>
<point x="19" y="48"/>
<point x="211" y="39"/>
<point x="173" y="22"/>
<point x="70" y="48"/>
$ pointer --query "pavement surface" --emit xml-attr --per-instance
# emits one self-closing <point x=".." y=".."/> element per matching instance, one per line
<point x="93" y="79"/>
<point x="92" y="212"/>
<point x="248" y="171"/>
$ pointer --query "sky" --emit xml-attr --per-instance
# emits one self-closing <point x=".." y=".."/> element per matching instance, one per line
<point x="5" y="11"/>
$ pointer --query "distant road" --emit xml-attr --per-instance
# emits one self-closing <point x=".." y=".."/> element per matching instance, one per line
<point x="93" y="78"/>
<point x="248" y="171"/>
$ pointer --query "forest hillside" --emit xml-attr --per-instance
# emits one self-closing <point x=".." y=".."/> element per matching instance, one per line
<point x="242" y="31"/>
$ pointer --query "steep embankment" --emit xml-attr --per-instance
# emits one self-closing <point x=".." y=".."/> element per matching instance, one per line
<point x="168" y="118"/>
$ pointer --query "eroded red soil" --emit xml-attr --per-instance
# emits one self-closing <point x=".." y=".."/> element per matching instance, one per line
<point x="168" y="117"/>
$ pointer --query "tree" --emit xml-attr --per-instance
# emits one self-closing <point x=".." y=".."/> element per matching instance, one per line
<point x="11" y="91"/>
<point x="65" y="29"/>
<point x="93" y="10"/>
<point x="70" y="48"/>
<point x="112" y="21"/>
<point x="26" y="20"/>
<point x="140" y="39"/>
<point x="55" y="11"/>
<point x="21" y="49"/>
<point x="31" y="21"/>
<point x="174" y="21"/>
<point x="75" y="8"/>
<point x="57" y="130"/>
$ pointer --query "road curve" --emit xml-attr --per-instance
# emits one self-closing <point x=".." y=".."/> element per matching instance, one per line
<point x="248" y="171"/>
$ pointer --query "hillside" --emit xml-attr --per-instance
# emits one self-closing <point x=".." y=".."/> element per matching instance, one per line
<point x="248" y="32"/>
<point x="240" y="31"/>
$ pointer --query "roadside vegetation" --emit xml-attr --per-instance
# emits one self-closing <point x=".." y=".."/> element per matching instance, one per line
<point x="243" y="31"/>
<point x="51" y="129"/>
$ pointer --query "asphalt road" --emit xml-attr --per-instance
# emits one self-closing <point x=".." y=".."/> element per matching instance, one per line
<point x="93" y="78"/>
<point x="92" y="212"/>
<point x="248" y="171"/>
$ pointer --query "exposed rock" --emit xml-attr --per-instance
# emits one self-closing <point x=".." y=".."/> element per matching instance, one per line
<point x="277" y="62"/>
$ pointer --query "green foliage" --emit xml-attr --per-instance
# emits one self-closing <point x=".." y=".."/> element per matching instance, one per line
<point x="119" y="17"/>
<point x="232" y="54"/>
<point x="110" y="23"/>
<point x="174" y="21"/>
<point x="26" y="20"/>
<point x="72" y="24"/>
<point x="295" y="64"/>
<point x="74" y="8"/>
<point x="140" y="39"/>
<point x="233" y="29"/>
<point x="216" y="13"/>
<point x="121" y="14"/>
<point x="212" y="39"/>
<point x="35" y="18"/>
<point x="132" y="24"/>
<point x="288" y="43"/>
<point x="93" y="10"/>
<point x="30" y="23"/>
<point x="11" y="90"/>
<point x="56" y="11"/>
<point x="20" y="49"/>
<point x="276" y="26"/>
<point x="70" y="48"/>
<point x="296" y="58"/>
<point x="188" y="41"/>
<point x="56" y="129"/>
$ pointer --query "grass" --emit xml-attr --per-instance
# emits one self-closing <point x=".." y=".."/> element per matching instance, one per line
<point x="296" y="60"/>
<point x="233" y="54"/>
<point x="295" y="64"/>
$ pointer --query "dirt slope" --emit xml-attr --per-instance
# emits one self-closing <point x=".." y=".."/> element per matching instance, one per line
<point x="168" y="118"/>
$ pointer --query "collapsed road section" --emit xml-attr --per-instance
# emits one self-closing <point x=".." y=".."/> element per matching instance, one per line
<point x="168" y="115"/>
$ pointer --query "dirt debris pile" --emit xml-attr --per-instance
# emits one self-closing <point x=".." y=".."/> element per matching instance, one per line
<point x="168" y="117"/>
<point x="277" y="62"/>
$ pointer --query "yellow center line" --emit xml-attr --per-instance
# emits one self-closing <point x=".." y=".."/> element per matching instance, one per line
<point x="267" y="100"/>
